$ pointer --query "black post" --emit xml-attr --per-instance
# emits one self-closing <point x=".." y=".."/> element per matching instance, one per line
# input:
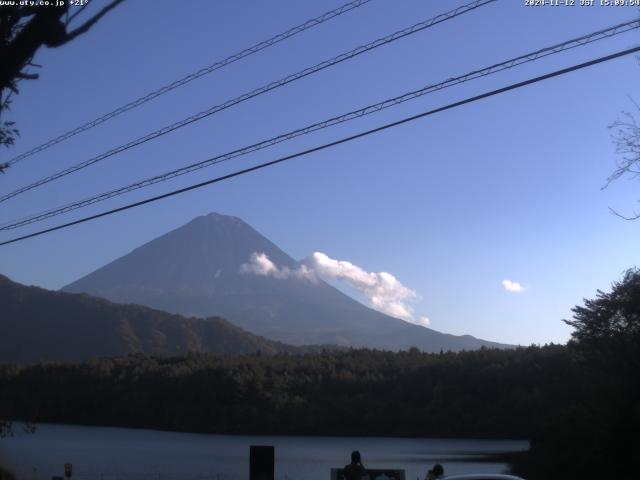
<point x="261" y="462"/>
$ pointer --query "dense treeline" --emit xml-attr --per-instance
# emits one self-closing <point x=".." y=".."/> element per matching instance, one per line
<point x="485" y="393"/>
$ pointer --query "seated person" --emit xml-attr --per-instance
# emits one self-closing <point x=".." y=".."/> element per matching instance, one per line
<point x="355" y="470"/>
<point x="435" y="473"/>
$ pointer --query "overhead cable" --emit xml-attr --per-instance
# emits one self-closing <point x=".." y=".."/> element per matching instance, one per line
<point x="347" y="7"/>
<point x="495" y="68"/>
<point x="418" y="27"/>
<point x="366" y="133"/>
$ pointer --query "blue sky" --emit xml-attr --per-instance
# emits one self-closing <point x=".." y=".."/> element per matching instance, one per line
<point x="451" y="205"/>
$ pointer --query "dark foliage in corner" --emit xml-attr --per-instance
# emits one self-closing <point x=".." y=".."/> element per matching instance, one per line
<point x="24" y="29"/>
<point x="5" y="475"/>
<point x="597" y="433"/>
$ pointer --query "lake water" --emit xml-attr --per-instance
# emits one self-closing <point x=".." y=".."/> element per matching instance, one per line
<point x="120" y="453"/>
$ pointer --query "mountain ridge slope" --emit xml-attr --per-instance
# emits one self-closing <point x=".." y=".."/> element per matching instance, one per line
<point x="40" y="325"/>
<point x="195" y="270"/>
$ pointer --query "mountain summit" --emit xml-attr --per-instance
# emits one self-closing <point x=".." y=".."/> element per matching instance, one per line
<point x="197" y="270"/>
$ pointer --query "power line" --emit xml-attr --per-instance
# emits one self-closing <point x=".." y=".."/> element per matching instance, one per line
<point x="237" y="173"/>
<point x="347" y="7"/>
<point x="511" y="63"/>
<point x="259" y="91"/>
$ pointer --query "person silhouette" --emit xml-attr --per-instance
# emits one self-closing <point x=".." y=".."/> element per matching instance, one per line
<point x="355" y="470"/>
<point x="436" y="472"/>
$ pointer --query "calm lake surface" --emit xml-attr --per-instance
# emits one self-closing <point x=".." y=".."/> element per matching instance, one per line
<point x="120" y="453"/>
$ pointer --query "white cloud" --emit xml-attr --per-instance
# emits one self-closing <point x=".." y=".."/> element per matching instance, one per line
<point x="511" y="286"/>
<point x="384" y="292"/>
<point x="260" y="264"/>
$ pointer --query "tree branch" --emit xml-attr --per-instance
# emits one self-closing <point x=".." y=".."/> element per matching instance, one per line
<point x="28" y="76"/>
<point x="636" y="216"/>
<point x="89" y="23"/>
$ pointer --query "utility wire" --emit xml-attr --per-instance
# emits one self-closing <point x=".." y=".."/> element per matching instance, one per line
<point x="192" y="76"/>
<point x="237" y="173"/>
<point x="513" y="62"/>
<point x="259" y="91"/>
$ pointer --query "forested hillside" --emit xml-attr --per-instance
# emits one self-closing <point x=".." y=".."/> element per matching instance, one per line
<point x="38" y="325"/>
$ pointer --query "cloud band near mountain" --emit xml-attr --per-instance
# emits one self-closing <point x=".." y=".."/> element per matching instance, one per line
<point x="383" y="291"/>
